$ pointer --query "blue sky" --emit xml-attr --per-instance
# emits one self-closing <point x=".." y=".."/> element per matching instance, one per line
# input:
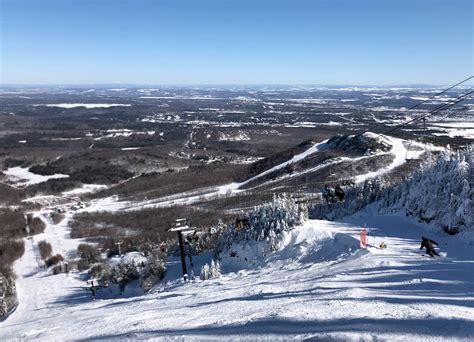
<point x="236" y="42"/>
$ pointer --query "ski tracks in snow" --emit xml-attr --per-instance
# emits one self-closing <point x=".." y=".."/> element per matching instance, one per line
<point x="304" y="291"/>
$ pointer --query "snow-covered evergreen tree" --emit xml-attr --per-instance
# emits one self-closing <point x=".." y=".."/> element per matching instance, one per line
<point x="134" y="265"/>
<point x="215" y="269"/>
<point x="205" y="272"/>
<point x="440" y="192"/>
<point x="211" y="272"/>
<point x="266" y="223"/>
<point x="8" y="295"/>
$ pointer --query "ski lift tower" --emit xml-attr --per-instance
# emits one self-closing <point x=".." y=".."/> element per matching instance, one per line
<point x="189" y="238"/>
<point x="119" y="243"/>
<point x="415" y="153"/>
<point x="181" y="227"/>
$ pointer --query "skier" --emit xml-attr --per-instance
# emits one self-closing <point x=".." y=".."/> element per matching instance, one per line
<point x="92" y="289"/>
<point x="428" y="244"/>
<point x="339" y="192"/>
<point x="327" y="194"/>
<point x="163" y="248"/>
<point x="93" y="292"/>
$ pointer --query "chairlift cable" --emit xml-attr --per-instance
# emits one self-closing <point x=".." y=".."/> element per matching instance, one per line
<point x="441" y="107"/>
<point x="434" y="111"/>
<point x="419" y="103"/>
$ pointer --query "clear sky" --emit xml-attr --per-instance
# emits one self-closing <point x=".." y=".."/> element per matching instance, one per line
<point x="236" y="41"/>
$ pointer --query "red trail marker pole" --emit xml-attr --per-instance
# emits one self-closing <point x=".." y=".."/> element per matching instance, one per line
<point x="363" y="238"/>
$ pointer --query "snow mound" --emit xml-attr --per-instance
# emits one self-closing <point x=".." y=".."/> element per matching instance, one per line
<point x="132" y="259"/>
<point x="303" y="245"/>
<point x="309" y="244"/>
<point x="367" y="143"/>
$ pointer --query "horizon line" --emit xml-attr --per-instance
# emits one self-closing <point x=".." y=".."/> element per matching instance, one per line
<point x="105" y="84"/>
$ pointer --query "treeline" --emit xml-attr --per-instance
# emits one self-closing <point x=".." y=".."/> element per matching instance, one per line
<point x="12" y="162"/>
<point x="52" y="186"/>
<point x="88" y="174"/>
<point x="153" y="185"/>
<point x="8" y="297"/>
<point x="10" y="250"/>
<point x="277" y="158"/>
<point x="12" y="229"/>
<point x="12" y="224"/>
<point x="140" y="230"/>
<point x="107" y="174"/>
<point x="10" y="195"/>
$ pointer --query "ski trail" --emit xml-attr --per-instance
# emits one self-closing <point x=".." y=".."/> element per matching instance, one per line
<point x="36" y="286"/>
<point x="398" y="150"/>
<point x="313" y="149"/>
<point x="391" y="293"/>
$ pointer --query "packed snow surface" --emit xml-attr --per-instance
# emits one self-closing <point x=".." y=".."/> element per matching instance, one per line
<point x="319" y="285"/>
<point x="456" y="129"/>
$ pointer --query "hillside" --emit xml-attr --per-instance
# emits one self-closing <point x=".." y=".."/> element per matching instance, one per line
<point x="283" y="276"/>
<point x="342" y="159"/>
<point x="319" y="284"/>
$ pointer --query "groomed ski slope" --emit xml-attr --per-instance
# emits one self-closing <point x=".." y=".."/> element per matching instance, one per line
<point x="320" y="285"/>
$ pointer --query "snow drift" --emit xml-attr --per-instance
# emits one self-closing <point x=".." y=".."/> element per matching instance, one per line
<point x="277" y="233"/>
<point x="304" y="246"/>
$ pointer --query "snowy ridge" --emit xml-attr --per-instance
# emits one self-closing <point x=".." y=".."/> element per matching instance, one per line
<point x="398" y="150"/>
<point x="313" y="149"/>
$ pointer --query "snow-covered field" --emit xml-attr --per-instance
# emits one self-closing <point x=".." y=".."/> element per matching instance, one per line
<point x="319" y="285"/>
<point x="86" y="105"/>
<point x="455" y="129"/>
<point x="84" y="189"/>
<point x="20" y="176"/>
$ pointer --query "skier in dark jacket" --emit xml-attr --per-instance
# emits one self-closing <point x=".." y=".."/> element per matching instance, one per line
<point x="328" y="195"/>
<point x="339" y="192"/>
<point x="428" y="244"/>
